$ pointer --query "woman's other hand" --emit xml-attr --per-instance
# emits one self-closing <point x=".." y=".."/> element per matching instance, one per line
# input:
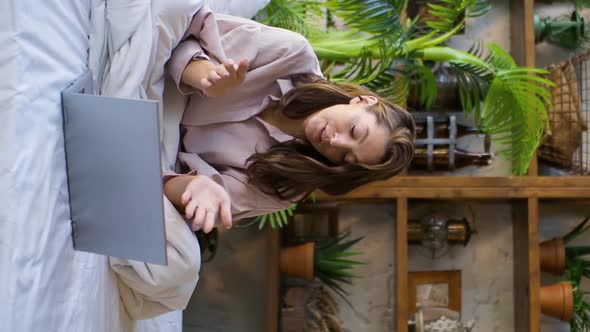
<point x="215" y="80"/>
<point x="204" y="202"/>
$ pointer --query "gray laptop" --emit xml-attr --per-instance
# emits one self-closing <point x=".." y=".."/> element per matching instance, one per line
<point x="114" y="179"/>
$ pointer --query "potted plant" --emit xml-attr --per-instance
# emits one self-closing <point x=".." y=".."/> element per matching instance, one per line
<point x="580" y="321"/>
<point x="567" y="302"/>
<point x="330" y="262"/>
<point x="500" y="95"/>
<point x="447" y="94"/>
<point x="556" y="256"/>
<point x="557" y="300"/>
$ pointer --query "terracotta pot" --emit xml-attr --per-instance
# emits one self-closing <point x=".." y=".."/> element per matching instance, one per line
<point x="297" y="261"/>
<point x="557" y="301"/>
<point x="552" y="256"/>
<point x="447" y="86"/>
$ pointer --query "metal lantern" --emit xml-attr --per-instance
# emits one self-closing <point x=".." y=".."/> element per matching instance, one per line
<point x="436" y="233"/>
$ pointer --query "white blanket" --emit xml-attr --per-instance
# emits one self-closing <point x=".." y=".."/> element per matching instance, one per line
<point x="45" y="284"/>
<point x="134" y="40"/>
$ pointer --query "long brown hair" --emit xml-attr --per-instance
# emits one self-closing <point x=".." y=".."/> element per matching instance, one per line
<point x="293" y="169"/>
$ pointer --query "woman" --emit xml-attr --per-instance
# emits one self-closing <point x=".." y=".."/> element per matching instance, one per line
<point x="263" y="133"/>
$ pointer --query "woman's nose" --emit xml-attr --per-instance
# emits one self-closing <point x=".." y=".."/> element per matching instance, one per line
<point x="340" y="141"/>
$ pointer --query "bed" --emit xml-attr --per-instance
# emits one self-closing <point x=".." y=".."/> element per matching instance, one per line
<point x="46" y="284"/>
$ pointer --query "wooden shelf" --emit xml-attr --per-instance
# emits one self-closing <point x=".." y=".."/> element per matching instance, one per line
<point x="448" y="187"/>
<point x="273" y="277"/>
<point x="523" y="192"/>
<point x="401" y="261"/>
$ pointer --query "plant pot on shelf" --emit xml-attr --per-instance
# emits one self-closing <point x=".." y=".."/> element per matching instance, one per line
<point x="447" y="91"/>
<point x="558" y="256"/>
<point x="552" y="256"/>
<point x="297" y="261"/>
<point x="557" y="301"/>
<point x="331" y="262"/>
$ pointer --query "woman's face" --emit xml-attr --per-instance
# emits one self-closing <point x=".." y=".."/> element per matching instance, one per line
<point x="348" y="133"/>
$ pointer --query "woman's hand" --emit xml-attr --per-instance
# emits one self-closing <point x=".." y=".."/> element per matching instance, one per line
<point x="215" y="80"/>
<point x="204" y="201"/>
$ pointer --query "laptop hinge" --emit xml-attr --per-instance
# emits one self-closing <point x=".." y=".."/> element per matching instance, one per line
<point x="74" y="232"/>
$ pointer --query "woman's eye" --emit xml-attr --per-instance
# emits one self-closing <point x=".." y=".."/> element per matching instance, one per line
<point x="352" y="131"/>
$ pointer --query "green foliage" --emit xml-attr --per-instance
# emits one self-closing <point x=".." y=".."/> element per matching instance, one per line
<point x="577" y="267"/>
<point x="278" y="218"/>
<point x="332" y="263"/>
<point x="576" y="231"/>
<point x="381" y="53"/>
<point x="580" y="321"/>
<point x="379" y="18"/>
<point x="448" y="13"/>
<point x="297" y="16"/>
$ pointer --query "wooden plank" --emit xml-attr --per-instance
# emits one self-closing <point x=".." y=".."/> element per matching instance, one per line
<point x="520" y="241"/>
<point x="533" y="167"/>
<point x="471" y="187"/>
<point x="401" y="257"/>
<point x="522" y="32"/>
<point x="527" y="275"/>
<point x="461" y="192"/>
<point x="273" y="277"/>
<point x="477" y="182"/>
<point x="522" y="44"/>
<point x="534" y="271"/>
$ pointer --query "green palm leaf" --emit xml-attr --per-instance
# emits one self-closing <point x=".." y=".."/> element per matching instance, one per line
<point x="372" y="64"/>
<point x="392" y="84"/>
<point x="517" y="116"/>
<point x="514" y="110"/>
<point x="278" y="218"/>
<point x="473" y="82"/>
<point x="480" y="8"/>
<point x="448" y="12"/>
<point x="331" y="265"/>
<point x="271" y="217"/>
<point x="427" y="88"/>
<point x="579" y="229"/>
<point x="380" y="18"/>
<point x="261" y="220"/>
<point x="293" y="15"/>
<point x="499" y="58"/>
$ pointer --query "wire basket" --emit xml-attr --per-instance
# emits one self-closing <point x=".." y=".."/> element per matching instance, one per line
<point x="567" y="145"/>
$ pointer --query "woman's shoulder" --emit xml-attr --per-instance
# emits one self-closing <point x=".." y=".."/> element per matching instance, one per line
<point x="271" y="35"/>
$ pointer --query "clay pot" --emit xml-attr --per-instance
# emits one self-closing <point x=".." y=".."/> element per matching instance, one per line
<point x="552" y="256"/>
<point x="557" y="301"/>
<point x="297" y="261"/>
<point x="447" y="96"/>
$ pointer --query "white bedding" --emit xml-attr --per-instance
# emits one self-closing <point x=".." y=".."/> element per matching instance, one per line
<point x="44" y="284"/>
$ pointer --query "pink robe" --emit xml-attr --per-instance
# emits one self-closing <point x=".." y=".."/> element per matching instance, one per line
<point x="219" y="134"/>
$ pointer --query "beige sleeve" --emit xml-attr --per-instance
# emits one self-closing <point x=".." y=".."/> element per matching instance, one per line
<point x="273" y="53"/>
<point x="246" y="200"/>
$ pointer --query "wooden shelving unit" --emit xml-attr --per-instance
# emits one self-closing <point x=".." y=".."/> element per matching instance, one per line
<point x="522" y="192"/>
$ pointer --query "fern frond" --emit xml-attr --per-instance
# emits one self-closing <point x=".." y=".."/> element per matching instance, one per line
<point x="515" y="113"/>
<point x="380" y="18"/>
<point x="298" y="16"/>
